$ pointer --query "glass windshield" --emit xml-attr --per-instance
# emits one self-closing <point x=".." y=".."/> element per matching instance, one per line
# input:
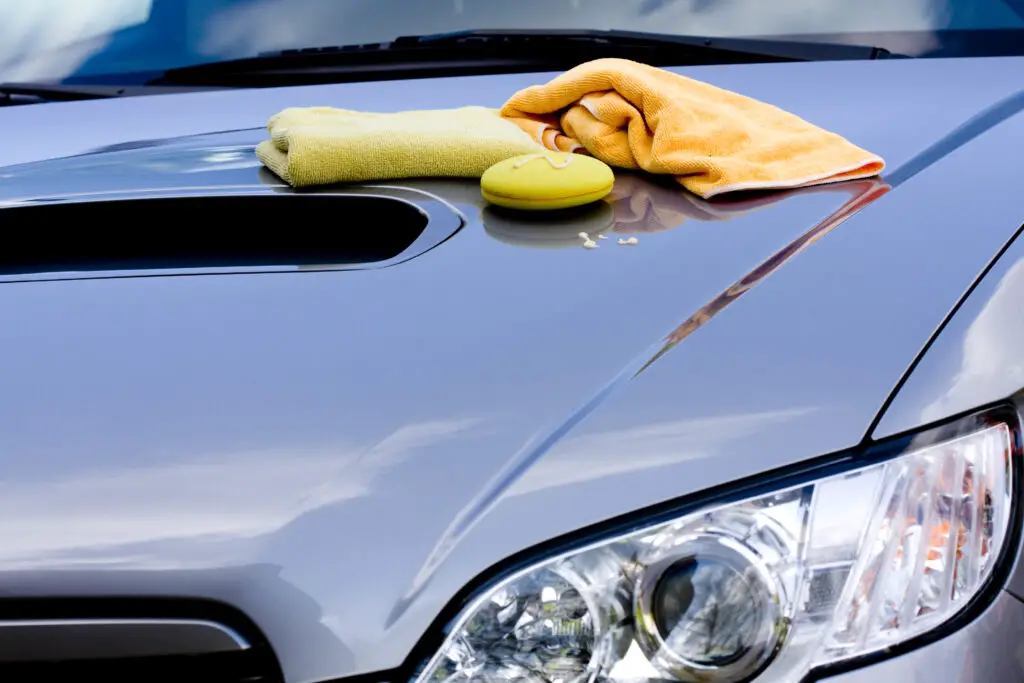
<point x="88" y="39"/>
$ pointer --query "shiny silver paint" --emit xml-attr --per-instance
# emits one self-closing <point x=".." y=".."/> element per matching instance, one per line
<point x="987" y="649"/>
<point x="976" y="359"/>
<point x="41" y="639"/>
<point x="337" y="453"/>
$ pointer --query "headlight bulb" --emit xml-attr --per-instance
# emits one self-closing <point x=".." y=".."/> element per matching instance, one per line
<point x="710" y="607"/>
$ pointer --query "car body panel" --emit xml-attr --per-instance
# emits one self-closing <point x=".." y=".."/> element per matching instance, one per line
<point x="987" y="649"/>
<point x="976" y="360"/>
<point x="284" y="442"/>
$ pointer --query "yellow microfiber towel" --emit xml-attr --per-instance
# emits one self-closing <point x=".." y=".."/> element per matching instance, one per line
<point x="323" y="145"/>
<point x="714" y="141"/>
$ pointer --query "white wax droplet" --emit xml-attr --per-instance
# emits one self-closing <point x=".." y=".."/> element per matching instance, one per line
<point x="584" y="236"/>
<point x="602" y="237"/>
<point x="590" y="244"/>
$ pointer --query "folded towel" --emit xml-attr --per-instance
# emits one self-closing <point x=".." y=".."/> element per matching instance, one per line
<point x="635" y="116"/>
<point x="322" y="145"/>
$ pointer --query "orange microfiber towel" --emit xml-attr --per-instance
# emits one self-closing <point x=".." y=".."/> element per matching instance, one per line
<point x="636" y="116"/>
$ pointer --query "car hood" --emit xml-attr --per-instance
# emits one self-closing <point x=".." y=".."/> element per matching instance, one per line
<point x="336" y="452"/>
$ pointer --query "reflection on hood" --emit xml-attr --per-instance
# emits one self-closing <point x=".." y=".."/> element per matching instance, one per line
<point x="991" y="350"/>
<point x="863" y="193"/>
<point x="226" y="500"/>
<point x="619" y="452"/>
<point x="642" y="204"/>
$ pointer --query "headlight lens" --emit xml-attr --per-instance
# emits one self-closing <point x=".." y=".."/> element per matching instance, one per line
<point x="773" y="586"/>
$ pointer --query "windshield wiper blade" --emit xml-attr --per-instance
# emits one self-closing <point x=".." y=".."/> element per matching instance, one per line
<point x="32" y="93"/>
<point x="492" y="52"/>
<point x="35" y="93"/>
<point x="766" y="49"/>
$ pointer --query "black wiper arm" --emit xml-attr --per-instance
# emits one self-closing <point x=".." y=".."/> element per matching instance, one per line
<point x="35" y="93"/>
<point x="765" y="49"/>
<point x="492" y="52"/>
<point x="32" y="93"/>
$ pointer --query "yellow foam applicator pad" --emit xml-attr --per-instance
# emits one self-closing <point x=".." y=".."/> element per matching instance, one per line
<point x="551" y="180"/>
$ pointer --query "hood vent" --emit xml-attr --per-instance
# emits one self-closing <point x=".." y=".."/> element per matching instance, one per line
<point x="195" y="234"/>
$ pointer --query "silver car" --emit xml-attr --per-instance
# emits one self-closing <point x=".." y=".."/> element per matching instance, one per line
<point x="386" y="433"/>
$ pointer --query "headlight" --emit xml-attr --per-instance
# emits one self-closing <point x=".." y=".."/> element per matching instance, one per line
<point x="770" y="587"/>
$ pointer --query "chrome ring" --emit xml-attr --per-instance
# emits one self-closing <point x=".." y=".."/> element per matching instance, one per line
<point x="771" y="632"/>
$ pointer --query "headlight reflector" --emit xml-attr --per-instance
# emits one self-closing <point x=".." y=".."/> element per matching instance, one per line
<point x="770" y="587"/>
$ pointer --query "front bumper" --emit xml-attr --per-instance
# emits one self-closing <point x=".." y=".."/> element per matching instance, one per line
<point x="990" y="648"/>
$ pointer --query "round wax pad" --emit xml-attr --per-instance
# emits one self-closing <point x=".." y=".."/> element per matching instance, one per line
<point x="552" y="180"/>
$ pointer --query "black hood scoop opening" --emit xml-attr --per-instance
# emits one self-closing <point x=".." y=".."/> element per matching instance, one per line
<point x="190" y="234"/>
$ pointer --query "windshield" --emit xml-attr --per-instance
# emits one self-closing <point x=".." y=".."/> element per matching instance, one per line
<point x="90" y="40"/>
